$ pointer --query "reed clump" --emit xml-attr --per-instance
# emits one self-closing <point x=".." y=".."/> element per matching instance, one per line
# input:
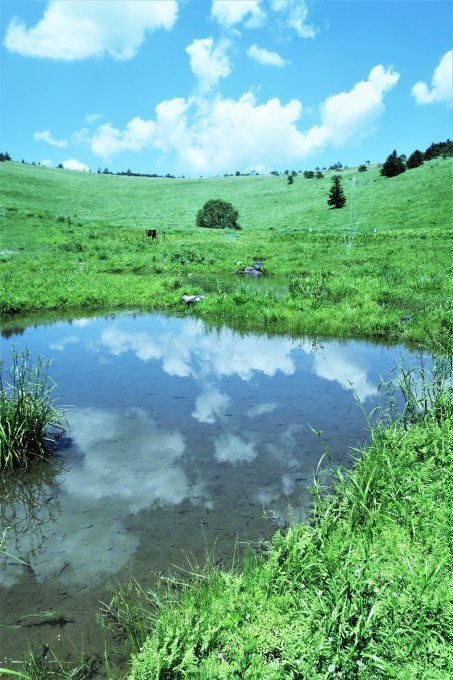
<point x="30" y="422"/>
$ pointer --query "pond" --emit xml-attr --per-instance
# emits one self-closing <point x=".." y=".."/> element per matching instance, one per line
<point x="182" y="440"/>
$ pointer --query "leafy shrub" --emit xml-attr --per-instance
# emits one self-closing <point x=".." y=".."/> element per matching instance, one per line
<point x="218" y="214"/>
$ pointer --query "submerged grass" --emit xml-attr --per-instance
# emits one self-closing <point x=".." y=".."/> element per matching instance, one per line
<point x="29" y="420"/>
<point x="362" y="591"/>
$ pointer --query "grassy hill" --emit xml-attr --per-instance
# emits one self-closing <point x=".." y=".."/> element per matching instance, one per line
<point x="419" y="198"/>
<point x="378" y="268"/>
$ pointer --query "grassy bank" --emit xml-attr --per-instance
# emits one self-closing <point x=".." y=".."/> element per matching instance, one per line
<point x="361" y="592"/>
<point x="73" y="240"/>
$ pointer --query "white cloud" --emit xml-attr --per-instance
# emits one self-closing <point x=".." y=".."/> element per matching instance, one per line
<point x="210" y="405"/>
<point x="214" y="134"/>
<point x="264" y="56"/>
<point x="108" y="140"/>
<point x="74" y="164"/>
<point x="100" y="435"/>
<point x="293" y="15"/>
<point x="441" y="84"/>
<point x="45" y="136"/>
<point x="208" y="62"/>
<point x="61" y="344"/>
<point x="345" y="366"/>
<point x="229" y="448"/>
<point x="47" y="163"/>
<point x="228" y="13"/>
<point x="350" y="116"/>
<point x="78" y="29"/>
<point x="181" y="353"/>
<point x="93" y="118"/>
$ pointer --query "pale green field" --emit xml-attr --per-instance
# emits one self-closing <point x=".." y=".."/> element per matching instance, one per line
<point x="75" y="240"/>
<point x="419" y="198"/>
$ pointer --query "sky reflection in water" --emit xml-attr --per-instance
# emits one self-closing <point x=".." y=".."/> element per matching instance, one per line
<point x="169" y="418"/>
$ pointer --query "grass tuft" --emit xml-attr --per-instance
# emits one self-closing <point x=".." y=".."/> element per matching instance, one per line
<point x="30" y="423"/>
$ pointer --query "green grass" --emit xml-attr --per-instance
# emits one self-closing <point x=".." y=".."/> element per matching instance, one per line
<point x="363" y="591"/>
<point x="29" y="420"/>
<point x="419" y="198"/>
<point x="343" y="278"/>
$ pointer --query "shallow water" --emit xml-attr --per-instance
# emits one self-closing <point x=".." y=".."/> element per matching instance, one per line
<point x="181" y="440"/>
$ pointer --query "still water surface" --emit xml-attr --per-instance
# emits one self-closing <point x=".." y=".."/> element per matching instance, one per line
<point x="181" y="439"/>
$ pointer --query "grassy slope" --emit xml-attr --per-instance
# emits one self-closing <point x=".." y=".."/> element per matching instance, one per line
<point x="347" y="281"/>
<point x="419" y="198"/>
<point x="363" y="592"/>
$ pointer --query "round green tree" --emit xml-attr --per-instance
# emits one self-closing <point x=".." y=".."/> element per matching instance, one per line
<point x="336" y="198"/>
<point x="218" y="214"/>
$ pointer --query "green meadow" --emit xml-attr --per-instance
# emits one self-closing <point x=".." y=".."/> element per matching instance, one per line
<point x="76" y="240"/>
<point x="363" y="590"/>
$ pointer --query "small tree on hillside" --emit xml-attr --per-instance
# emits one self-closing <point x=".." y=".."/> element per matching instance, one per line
<point x="394" y="165"/>
<point x="336" y="198"/>
<point x="218" y="214"/>
<point x="415" y="159"/>
<point x="291" y="179"/>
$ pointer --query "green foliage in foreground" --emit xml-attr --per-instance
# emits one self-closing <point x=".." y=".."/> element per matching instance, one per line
<point x="29" y="420"/>
<point x="361" y="592"/>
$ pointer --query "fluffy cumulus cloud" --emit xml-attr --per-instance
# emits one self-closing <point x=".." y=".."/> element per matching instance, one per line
<point x="209" y="62"/>
<point x="350" y="116"/>
<point x="78" y="29"/>
<point x="74" y="164"/>
<point x="229" y="13"/>
<point x="211" y="134"/>
<point x="441" y="90"/>
<point x="45" y="136"/>
<point x="108" y="140"/>
<point x="265" y="57"/>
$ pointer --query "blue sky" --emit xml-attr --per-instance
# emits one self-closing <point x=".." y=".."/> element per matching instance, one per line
<point x="207" y="87"/>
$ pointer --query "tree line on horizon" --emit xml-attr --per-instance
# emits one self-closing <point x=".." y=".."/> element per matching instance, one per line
<point x="394" y="164"/>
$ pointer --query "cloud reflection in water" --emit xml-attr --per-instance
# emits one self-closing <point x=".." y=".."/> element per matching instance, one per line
<point x="236" y="424"/>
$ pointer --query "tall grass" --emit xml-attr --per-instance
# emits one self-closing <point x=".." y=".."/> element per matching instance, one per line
<point x="29" y="420"/>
